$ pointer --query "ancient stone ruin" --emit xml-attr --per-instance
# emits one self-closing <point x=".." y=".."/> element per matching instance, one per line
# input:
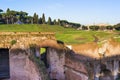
<point x="21" y="58"/>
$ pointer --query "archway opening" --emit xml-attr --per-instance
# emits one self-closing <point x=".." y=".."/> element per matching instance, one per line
<point x="43" y="53"/>
<point x="118" y="77"/>
<point x="105" y="74"/>
<point x="4" y="63"/>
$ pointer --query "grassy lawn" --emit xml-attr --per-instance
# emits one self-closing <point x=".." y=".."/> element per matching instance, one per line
<point x="67" y="35"/>
<point x="32" y="28"/>
<point x="78" y="37"/>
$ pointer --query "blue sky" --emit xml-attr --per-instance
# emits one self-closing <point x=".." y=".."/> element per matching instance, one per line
<point x="79" y="11"/>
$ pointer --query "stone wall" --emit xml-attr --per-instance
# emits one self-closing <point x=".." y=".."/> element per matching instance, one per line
<point x="56" y="61"/>
<point x="8" y="39"/>
<point x="91" y="62"/>
<point x="21" y="67"/>
<point x="103" y="60"/>
<point x="60" y="67"/>
<point x="23" y="46"/>
<point x="74" y="69"/>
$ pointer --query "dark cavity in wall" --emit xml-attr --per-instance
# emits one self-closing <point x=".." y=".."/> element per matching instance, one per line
<point x="43" y="52"/>
<point x="4" y="64"/>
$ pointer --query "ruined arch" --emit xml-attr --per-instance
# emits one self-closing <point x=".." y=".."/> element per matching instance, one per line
<point x="24" y="66"/>
<point x="105" y="74"/>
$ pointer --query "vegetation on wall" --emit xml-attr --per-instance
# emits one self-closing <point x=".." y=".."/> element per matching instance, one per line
<point x="38" y="63"/>
<point x="13" y="42"/>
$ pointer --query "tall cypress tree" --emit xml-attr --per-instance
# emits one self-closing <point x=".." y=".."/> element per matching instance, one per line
<point x="59" y="23"/>
<point x="40" y="20"/>
<point x="43" y="19"/>
<point x="35" y="18"/>
<point x="7" y="15"/>
<point x="54" y="22"/>
<point x="0" y="13"/>
<point x="49" y="21"/>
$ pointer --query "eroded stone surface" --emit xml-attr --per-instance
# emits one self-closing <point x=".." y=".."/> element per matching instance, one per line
<point x="22" y="68"/>
<point x="56" y="61"/>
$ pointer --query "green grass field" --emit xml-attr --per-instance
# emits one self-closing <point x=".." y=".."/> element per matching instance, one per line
<point x="32" y="28"/>
<point x="67" y="35"/>
<point x="78" y="37"/>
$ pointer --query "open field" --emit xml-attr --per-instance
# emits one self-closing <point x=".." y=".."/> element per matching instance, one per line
<point x="32" y="28"/>
<point x="78" y="37"/>
<point x="67" y="35"/>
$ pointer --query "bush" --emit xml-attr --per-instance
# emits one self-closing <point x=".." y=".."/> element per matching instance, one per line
<point x="94" y="27"/>
<point x="13" y="42"/>
<point x="117" y="26"/>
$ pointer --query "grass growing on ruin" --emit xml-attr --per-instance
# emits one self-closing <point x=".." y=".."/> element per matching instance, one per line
<point x="67" y="35"/>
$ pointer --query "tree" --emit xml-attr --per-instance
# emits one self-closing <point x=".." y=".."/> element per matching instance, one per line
<point x="109" y="27"/>
<point x="1" y="10"/>
<point x="35" y="18"/>
<point x="0" y="13"/>
<point x="64" y="23"/>
<point x="117" y="26"/>
<point x="7" y="15"/>
<point x="8" y="10"/>
<point x="94" y="27"/>
<point x="84" y="27"/>
<point x="40" y="20"/>
<point x="55" y="22"/>
<point x="29" y="20"/>
<point x="4" y="18"/>
<point x="13" y="16"/>
<point x="43" y="19"/>
<point x="49" y="21"/>
<point x="22" y="16"/>
<point x="59" y="23"/>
